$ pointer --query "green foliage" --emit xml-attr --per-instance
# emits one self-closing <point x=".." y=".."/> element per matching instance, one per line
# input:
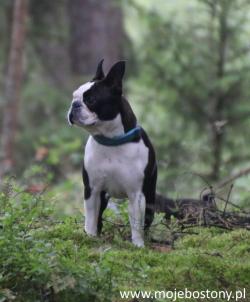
<point x="42" y="258"/>
<point x="50" y="130"/>
<point x="46" y="259"/>
<point x="192" y="72"/>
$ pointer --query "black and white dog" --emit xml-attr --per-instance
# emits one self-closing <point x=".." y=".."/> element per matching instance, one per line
<point x="119" y="158"/>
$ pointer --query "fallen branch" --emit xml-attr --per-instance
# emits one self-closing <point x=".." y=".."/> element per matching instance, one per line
<point x="204" y="212"/>
<point x="232" y="178"/>
<point x="228" y="196"/>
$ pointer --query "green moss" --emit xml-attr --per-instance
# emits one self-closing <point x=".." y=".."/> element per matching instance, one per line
<point x="42" y="257"/>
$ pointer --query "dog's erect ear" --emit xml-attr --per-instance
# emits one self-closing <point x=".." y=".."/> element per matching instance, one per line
<point x="99" y="75"/>
<point x="115" y="75"/>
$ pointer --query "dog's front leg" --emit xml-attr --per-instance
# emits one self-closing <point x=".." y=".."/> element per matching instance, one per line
<point x="136" y="209"/>
<point x="91" y="209"/>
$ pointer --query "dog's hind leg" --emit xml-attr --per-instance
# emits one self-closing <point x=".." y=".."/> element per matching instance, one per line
<point x="149" y="217"/>
<point x="149" y="183"/>
<point x="149" y="188"/>
<point x="104" y="202"/>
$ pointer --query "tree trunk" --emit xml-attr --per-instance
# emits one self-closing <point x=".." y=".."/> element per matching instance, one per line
<point x="216" y="130"/>
<point x="217" y="144"/>
<point x="96" y="32"/>
<point x="13" y="85"/>
<point x="51" y="46"/>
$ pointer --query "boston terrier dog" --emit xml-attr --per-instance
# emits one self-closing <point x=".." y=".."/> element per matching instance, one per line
<point x="119" y="158"/>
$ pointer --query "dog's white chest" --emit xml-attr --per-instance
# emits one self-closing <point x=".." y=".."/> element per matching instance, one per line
<point x="118" y="170"/>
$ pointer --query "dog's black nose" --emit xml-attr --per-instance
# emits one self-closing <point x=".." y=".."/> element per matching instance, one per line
<point x="76" y="104"/>
<point x="70" y="116"/>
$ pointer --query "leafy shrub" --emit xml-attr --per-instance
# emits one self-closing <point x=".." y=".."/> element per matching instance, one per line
<point x="43" y="259"/>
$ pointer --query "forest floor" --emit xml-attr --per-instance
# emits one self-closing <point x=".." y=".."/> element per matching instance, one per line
<point x="47" y="258"/>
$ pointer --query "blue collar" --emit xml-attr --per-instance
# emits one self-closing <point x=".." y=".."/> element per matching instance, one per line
<point x="119" y="140"/>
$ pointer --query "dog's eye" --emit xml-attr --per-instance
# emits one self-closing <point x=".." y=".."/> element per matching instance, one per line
<point x="89" y="100"/>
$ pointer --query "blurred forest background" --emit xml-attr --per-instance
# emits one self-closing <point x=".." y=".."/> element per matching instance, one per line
<point x="187" y="78"/>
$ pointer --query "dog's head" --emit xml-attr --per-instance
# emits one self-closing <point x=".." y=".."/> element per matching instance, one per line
<point x="99" y="100"/>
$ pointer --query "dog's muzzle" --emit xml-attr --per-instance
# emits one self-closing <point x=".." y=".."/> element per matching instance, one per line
<point x="76" y="105"/>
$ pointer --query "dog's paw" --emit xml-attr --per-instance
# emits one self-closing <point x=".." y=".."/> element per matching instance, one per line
<point x="90" y="232"/>
<point x="138" y="242"/>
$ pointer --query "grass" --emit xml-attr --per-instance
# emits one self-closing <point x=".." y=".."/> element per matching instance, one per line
<point x="46" y="259"/>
